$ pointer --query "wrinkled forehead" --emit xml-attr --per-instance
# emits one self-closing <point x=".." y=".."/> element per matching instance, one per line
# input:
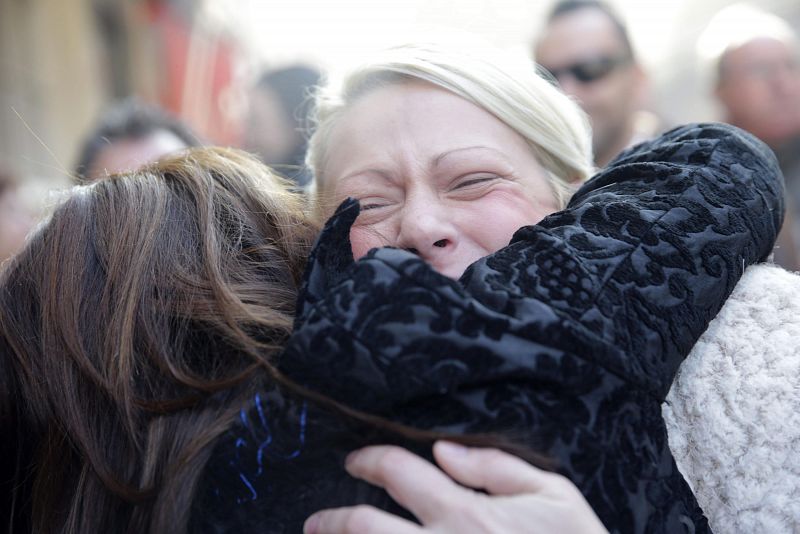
<point x="761" y="49"/>
<point x="415" y="119"/>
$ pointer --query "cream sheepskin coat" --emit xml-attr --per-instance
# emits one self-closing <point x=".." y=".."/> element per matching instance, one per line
<point x="733" y="414"/>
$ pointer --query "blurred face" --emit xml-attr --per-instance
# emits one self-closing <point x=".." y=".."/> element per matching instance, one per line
<point x="269" y="132"/>
<point x="435" y="174"/>
<point x="760" y="89"/>
<point x="130" y="154"/>
<point x="585" y="52"/>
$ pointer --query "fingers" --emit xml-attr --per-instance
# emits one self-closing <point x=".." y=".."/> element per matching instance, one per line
<point x="497" y="472"/>
<point x="414" y="483"/>
<point x="357" y="520"/>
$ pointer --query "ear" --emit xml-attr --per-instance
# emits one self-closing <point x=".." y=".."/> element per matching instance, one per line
<point x="724" y="99"/>
<point x="720" y="91"/>
<point x="641" y="86"/>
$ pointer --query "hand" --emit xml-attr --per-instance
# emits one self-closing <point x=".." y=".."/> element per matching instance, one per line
<point x="521" y="497"/>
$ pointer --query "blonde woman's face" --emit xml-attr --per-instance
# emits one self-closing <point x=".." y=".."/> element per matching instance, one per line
<point x="435" y="174"/>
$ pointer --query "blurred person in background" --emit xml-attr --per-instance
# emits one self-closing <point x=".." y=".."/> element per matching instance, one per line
<point x="585" y="46"/>
<point x="276" y="124"/>
<point x="757" y="82"/>
<point x="16" y="220"/>
<point x="128" y="135"/>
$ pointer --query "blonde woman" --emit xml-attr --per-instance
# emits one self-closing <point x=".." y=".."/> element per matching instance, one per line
<point x="564" y="335"/>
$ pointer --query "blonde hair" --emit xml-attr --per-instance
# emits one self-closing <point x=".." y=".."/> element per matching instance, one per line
<point x="506" y="86"/>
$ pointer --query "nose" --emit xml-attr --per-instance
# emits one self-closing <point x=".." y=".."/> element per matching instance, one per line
<point x="569" y="84"/>
<point x="425" y="228"/>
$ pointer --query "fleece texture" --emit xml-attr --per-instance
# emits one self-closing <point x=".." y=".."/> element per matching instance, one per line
<point x="733" y="413"/>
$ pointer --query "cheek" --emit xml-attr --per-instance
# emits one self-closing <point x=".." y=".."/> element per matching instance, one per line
<point x="753" y="95"/>
<point x="507" y="214"/>
<point x="362" y="240"/>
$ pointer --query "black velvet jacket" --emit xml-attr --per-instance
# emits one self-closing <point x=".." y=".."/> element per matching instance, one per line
<point x="568" y="339"/>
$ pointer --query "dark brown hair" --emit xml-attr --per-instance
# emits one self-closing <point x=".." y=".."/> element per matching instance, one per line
<point x="135" y="325"/>
<point x="144" y="295"/>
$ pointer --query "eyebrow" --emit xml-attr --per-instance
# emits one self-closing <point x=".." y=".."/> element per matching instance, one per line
<point x="369" y="170"/>
<point x="436" y="160"/>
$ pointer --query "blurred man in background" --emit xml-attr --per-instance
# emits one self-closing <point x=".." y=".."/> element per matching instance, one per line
<point x="585" y="46"/>
<point x="755" y="58"/>
<point x="276" y="129"/>
<point x="128" y="135"/>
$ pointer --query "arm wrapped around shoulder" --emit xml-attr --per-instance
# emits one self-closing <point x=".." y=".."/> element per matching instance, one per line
<point x="629" y="275"/>
<point x="738" y="171"/>
<point x="646" y="253"/>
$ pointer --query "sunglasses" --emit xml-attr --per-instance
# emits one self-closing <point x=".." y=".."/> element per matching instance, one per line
<point x="591" y="70"/>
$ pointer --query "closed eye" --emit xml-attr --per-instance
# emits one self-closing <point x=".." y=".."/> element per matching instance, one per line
<point x="367" y="207"/>
<point x="370" y="204"/>
<point x="475" y="180"/>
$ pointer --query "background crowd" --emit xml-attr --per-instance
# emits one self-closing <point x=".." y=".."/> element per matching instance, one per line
<point x="81" y="76"/>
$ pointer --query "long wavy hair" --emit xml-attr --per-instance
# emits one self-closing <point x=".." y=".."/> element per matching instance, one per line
<point x="132" y="326"/>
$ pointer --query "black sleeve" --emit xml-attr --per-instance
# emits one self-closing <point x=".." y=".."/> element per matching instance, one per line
<point x="627" y="277"/>
<point x="647" y="252"/>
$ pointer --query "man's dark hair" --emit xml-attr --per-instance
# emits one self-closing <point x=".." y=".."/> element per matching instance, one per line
<point x="128" y="119"/>
<point x="569" y="6"/>
<point x="293" y="86"/>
